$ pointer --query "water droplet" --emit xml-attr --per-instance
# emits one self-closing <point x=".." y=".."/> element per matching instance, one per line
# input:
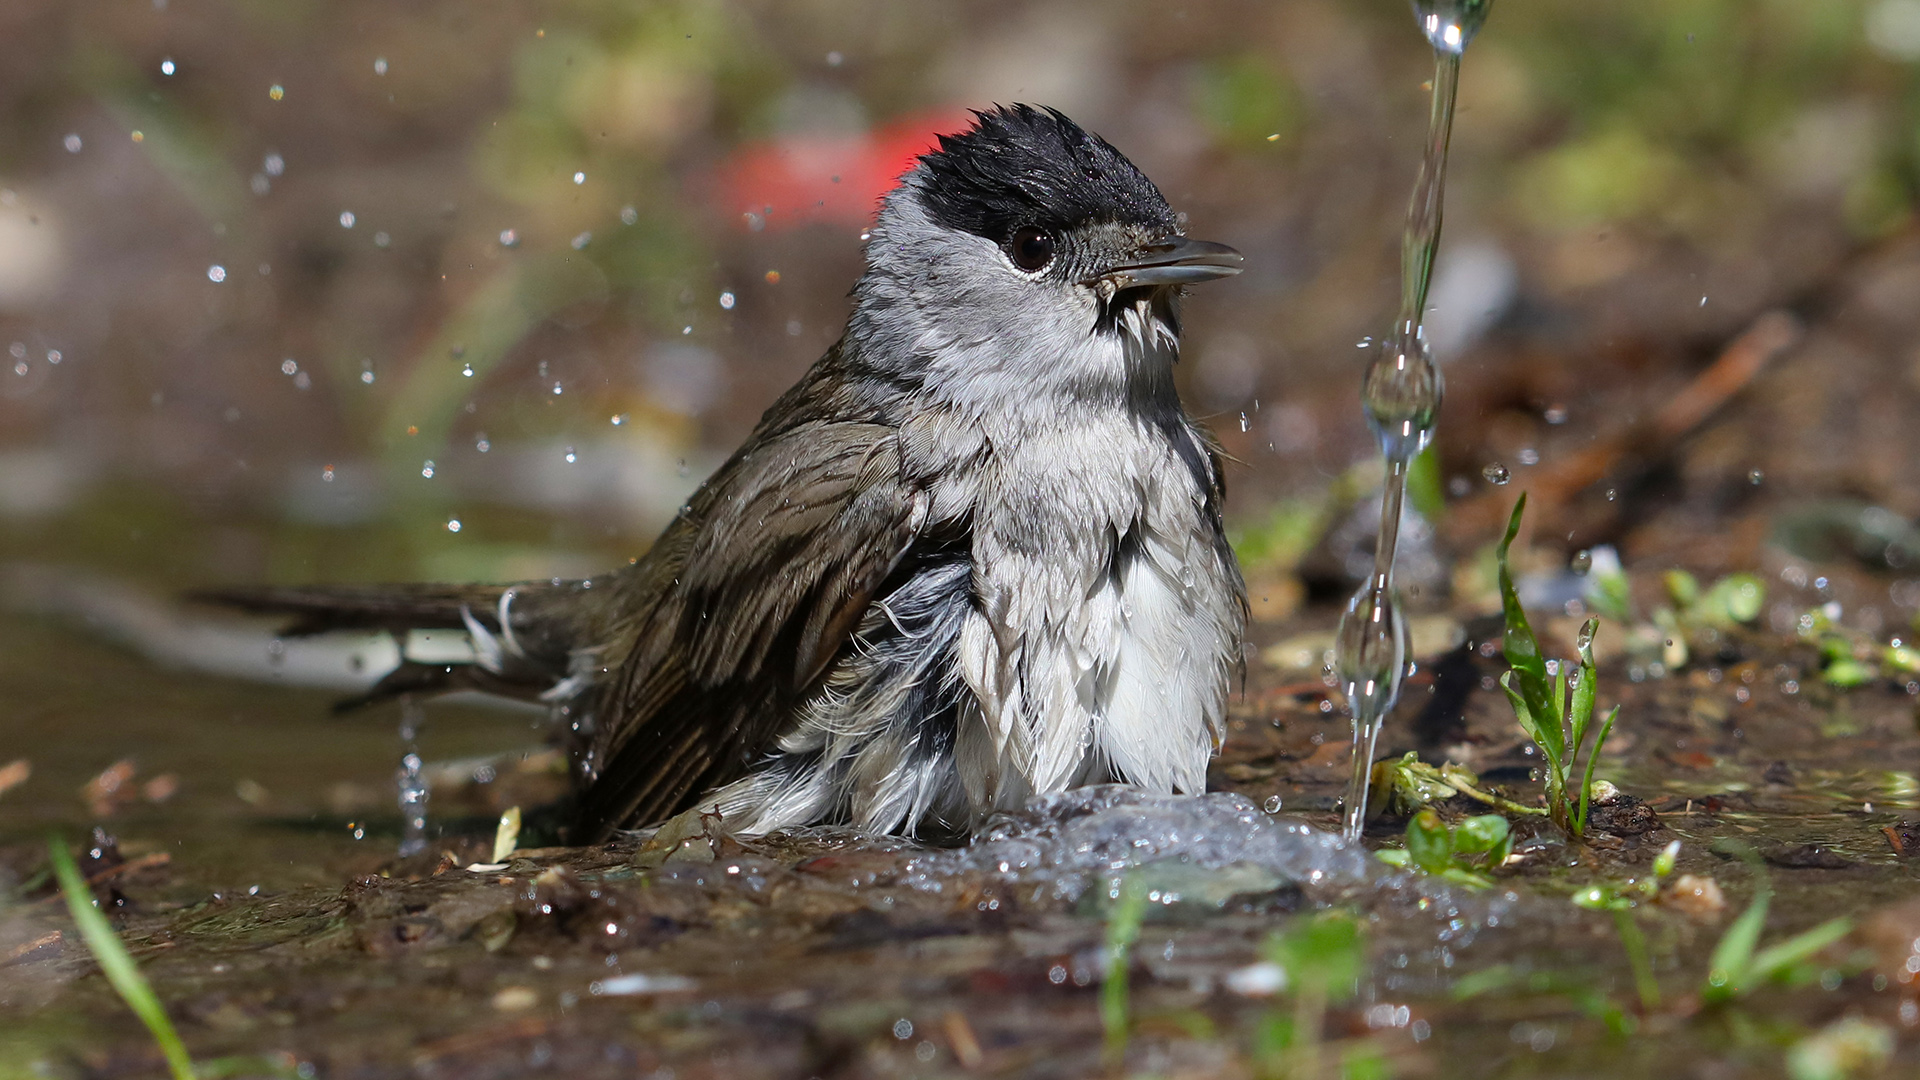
<point x="1755" y="476"/>
<point x="346" y="219"/>
<point x="1243" y="422"/>
<point x="569" y="455"/>
<point x="379" y="65"/>
<point x="273" y="164"/>
<point x="579" y="178"/>
<point x="426" y="470"/>
<point x="509" y="238"/>
<point x="834" y="59"/>
<point x="629" y="215"/>
<point x="260" y="184"/>
<point x="72" y="143"/>
<point x="54" y="356"/>
<point x="1496" y="474"/>
<point x="276" y="91"/>
<point x="1451" y="24"/>
<point x="1272" y="805"/>
<point x="466" y="370"/>
<point x="1612" y="494"/>
<point x="682" y="468"/>
<point x="166" y="66"/>
<point x="1528" y="456"/>
<point x="453" y="525"/>
<point x="381" y="240"/>
<point x="580" y="242"/>
<point x="557" y="388"/>
<point x="216" y="273"/>
<point x="326" y="474"/>
<point x="685" y="330"/>
<point x="1581" y="562"/>
<point x="482" y="444"/>
<point x="367" y="376"/>
<point x="619" y="418"/>
<point x="865" y="235"/>
<point x="288" y="366"/>
<point x="726" y="301"/>
<point x="411" y="780"/>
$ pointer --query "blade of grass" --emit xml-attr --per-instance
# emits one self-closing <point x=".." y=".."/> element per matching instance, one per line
<point x="1123" y="929"/>
<point x="1586" y="778"/>
<point x="1522" y="648"/>
<point x="1635" y="943"/>
<point x="119" y="967"/>
<point x="1775" y="959"/>
<point x="1732" y="958"/>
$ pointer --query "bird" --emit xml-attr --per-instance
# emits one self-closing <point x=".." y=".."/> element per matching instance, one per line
<point x="974" y="556"/>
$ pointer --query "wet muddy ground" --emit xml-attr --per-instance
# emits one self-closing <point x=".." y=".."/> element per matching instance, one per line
<point x="246" y="856"/>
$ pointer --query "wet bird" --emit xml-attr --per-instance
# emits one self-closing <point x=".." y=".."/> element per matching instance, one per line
<point x="973" y="556"/>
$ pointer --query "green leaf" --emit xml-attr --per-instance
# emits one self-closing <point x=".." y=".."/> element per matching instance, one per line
<point x="1428" y="842"/>
<point x="1586" y="778"/>
<point x="1580" y="710"/>
<point x="1524" y="715"/>
<point x="1522" y="648"/>
<point x="1482" y="835"/>
<point x="1729" y="967"/>
<point x="1736" y="598"/>
<point x="1775" y="960"/>
<point x="1324" y="954"/>
<point x="1683" y="587"/>
<point x="1849" y="672"/>
<point x="115" y="962"/>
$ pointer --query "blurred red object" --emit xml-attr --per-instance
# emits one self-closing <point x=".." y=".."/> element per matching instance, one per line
<point x="836" y="179"/>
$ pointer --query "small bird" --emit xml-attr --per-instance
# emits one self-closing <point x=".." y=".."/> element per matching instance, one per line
<point x="975" y="555"/>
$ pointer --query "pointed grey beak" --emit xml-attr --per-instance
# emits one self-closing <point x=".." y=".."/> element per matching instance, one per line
<point x="1178" y="261"/>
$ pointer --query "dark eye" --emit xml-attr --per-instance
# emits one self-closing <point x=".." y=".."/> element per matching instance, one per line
<point x="1032" y="248"/>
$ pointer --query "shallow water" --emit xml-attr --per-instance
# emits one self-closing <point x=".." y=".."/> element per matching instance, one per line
<point x="264" y="902"/>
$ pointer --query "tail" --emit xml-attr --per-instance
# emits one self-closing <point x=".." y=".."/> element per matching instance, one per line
<point x="511" y="640"/>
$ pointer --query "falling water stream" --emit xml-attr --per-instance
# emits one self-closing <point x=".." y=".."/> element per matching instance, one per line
<point x="1401" y="394"/>
<point x="411" y="780"/>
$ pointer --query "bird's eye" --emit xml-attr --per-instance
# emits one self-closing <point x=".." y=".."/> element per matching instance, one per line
<point x="1032" y="248"/>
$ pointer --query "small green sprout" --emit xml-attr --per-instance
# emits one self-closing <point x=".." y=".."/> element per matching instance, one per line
<point x="1457" y="854"/>
<point x="1322" y="957"/>
<point x="1620" y="900"/>
<point x="1123" y="929"/>
<point x="1557" y="712"/>
<point x="1738" y="964"/>
<point x="115" y="962"/>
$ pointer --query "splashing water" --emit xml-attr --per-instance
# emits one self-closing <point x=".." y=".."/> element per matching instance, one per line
<point x="412" y="781"/>
<point x="1401" y="393"/>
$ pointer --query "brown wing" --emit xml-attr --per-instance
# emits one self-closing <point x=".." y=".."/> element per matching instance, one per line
<point x="756" y="589"/>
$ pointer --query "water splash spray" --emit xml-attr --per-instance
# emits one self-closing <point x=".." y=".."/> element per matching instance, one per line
<point x="1401" y="394"/>
<point x="411" y="780"/>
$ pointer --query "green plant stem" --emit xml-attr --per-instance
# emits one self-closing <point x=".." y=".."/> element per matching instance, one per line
<point x="1495" y="801"/>
<point x="1123" y="929"/>
<point x="114" y="961"/>
<point x="1635" y="943"/>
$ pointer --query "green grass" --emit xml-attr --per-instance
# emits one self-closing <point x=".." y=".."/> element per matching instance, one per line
<point x="1555" y="711"/>
<point x="115" y="962"/>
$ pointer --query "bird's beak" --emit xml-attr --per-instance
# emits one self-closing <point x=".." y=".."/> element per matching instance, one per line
<point x="1178" y="261"/>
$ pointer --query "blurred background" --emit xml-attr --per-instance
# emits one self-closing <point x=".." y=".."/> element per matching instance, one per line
<point x="301" y="291"/>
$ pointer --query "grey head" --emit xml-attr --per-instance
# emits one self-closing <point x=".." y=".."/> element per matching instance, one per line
<point x="1031" y="249"/>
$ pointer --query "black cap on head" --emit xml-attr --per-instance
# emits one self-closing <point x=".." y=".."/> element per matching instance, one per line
<point x="1021" y="166"/>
